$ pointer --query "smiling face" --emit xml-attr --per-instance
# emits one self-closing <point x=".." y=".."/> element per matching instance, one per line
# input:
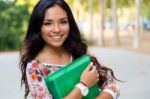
<point x="55" y="28"/>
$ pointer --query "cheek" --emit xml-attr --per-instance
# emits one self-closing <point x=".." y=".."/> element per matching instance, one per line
<point x="67" y="29"/>
<point x="45" y="29"/>
<point x="44" y="37"/>
<point x="44" y="33"/>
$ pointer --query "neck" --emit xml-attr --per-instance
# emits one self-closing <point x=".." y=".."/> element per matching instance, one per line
<point x="56" y="51"/>
<point x="53" y="55"/>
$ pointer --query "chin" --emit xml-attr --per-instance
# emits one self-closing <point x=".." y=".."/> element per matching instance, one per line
<point x="57" y="44"/>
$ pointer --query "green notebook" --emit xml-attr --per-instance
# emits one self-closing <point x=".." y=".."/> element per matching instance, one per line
<point x="61" y="82"/>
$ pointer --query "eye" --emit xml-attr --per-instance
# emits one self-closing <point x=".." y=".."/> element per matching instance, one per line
<point x="47" y="23"/>
<point x="64" y="22"/>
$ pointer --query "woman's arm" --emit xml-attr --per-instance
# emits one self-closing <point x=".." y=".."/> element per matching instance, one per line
<point x="89" y="77"/>
<point x="111" y="91"/>
<point x="74" y="94"/>
<point x="104" y="95"/>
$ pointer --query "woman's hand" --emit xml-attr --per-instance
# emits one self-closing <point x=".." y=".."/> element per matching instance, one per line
<point x="90" y="75"/>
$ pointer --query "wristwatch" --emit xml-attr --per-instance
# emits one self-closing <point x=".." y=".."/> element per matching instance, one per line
<point x="84" y="89"/>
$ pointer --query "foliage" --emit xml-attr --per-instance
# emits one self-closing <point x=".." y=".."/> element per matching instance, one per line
<point x="70" y="1"/>
<point x="13" y="19"/>
<point x="146" y="9"/>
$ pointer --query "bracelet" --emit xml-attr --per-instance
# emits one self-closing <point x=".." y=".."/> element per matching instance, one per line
<point x="110" y="92"/>
<point x="83" y="83"/>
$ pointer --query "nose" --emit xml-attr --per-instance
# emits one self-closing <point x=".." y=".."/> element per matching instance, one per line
<point x="56" y="28"/>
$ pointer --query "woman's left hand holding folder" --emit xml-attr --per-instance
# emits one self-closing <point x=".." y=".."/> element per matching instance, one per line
<point x="90" y="75"/>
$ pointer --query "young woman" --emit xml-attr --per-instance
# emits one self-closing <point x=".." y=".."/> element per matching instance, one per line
<point x="52" y="41"/>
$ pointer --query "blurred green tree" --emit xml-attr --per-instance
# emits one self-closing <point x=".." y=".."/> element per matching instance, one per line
<point x="13" y="21"/>
<point x="146" y="8"/>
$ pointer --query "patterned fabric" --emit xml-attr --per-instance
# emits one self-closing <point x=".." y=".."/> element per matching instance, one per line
<point x="35" y="75"/>
<point x="112" y="87"/>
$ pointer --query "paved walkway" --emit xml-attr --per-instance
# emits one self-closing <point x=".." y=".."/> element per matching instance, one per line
<point x="127" y="65"/>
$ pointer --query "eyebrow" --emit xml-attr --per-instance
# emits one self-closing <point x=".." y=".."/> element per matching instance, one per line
<point x="64" y="18"/>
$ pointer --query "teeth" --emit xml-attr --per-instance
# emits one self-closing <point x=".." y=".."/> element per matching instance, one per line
<point x="56" y="37"/>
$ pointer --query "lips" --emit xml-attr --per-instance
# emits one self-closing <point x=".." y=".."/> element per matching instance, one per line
<point x="56" y="37"/>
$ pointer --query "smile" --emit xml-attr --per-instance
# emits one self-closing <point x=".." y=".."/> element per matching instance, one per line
<point x="56" y="37"/>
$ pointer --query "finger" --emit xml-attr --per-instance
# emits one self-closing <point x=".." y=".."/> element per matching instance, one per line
<point x="89" y="67"/>
<point x="96" y="72"/>
<point x="97" y="79"/>
<point x="97" y="75"/>
<point x="93" y="69"/>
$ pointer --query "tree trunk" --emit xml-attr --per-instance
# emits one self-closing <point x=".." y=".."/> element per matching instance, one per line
<point x="90" y="3"/>
<point x="102" y="13"/>
<point x="137" y="33"/>
<point x="114" y="19"/>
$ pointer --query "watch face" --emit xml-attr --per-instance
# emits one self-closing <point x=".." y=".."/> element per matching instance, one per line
<point x="85" y="91"/>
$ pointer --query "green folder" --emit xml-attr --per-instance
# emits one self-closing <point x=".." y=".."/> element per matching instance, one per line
<point x="63" y="81"/>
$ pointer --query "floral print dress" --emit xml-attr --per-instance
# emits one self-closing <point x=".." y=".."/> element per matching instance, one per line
<point x="35" y="76"/>
<point x="36" y="72"/>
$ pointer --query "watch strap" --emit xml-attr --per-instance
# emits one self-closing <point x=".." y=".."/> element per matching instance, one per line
<point x="82" y="87"/>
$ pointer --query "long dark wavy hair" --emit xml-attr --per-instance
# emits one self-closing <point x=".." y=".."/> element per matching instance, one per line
<point x="34" y="43"/>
